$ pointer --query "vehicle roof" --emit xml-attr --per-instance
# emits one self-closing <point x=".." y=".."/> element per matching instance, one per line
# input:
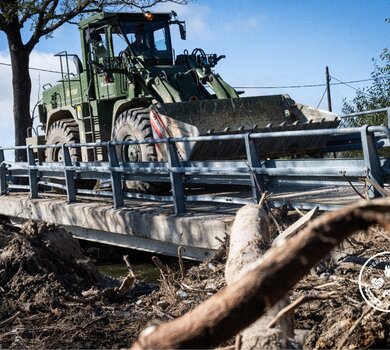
<point x="106" y="17"/>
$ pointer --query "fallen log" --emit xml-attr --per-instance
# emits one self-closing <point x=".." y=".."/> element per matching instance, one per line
<point x="237" y="306"/>
<point x="249" y="240"/>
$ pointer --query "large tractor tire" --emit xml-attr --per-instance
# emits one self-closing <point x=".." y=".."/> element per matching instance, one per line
<point x="134" y="125"/>
<point x="63" y="131"/>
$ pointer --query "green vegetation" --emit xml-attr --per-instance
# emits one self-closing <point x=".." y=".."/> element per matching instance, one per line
<point x="373" y="97"/>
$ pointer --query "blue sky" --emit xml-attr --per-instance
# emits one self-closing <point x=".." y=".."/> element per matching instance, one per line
<point x="267" y="43"/>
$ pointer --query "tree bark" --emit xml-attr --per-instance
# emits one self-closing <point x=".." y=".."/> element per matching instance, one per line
<point x="21" y="86"/>
<point x="249" y="240"/>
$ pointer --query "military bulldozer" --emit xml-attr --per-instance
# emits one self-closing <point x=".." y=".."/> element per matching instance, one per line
<point x="129" y="85"/>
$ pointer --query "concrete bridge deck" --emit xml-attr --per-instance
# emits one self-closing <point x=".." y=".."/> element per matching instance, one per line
<point x="147" y="226"/>
<point x="153" y="226"/>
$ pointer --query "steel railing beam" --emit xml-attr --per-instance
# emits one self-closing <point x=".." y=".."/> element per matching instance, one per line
<point x="253" y="171"/>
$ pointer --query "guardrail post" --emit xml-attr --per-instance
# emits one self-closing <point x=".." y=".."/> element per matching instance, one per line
<point x="32" y="173"/>
<point x="176" y="178"/>
<point x="388" y="118"/>
<point x="371" y="161"/>
<point x="257" y="180"/>
<point x="116" y="181"/>
<point x="3" y="174"/>
<point x="69" y="175"/>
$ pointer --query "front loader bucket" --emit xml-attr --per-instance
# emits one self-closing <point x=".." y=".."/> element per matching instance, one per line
<point x="241" y="115"/>
<point x="268" y="147"/>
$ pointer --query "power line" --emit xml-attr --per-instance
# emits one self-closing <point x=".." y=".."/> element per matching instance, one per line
<point x="33" y="68"/>
<point x="322" y="97"/>
<point x="350" y="86"/>
<point x="279" y="87"/>
<point x="339" y="82"/>
<point x="305" y="85"/>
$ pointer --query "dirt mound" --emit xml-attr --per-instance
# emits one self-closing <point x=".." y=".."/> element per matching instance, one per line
<point x="42" y="272"/>
<point x="52" y="296"/>
<point x="42" y="262"/>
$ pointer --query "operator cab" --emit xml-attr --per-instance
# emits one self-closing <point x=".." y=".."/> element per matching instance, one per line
<point x="146" y="37"/>
<point x="148" y="40"/>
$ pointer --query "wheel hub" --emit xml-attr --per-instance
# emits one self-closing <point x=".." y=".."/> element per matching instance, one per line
<point x="132" y="153"/>
<point x="58" y="155"/>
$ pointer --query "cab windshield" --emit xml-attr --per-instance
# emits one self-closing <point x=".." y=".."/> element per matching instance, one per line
<point x="148" y="39"/>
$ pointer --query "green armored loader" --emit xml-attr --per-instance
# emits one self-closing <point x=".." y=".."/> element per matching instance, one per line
<point x="130" y="86"/>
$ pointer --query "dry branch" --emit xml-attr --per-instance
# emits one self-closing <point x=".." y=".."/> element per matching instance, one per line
<point x="378" y="187"/>
<point x="295" y="227"/>
<point x="298" y="302"/>
<point x="128" y="282"/>
<point x="365" y="312"/>
<point x="162" y="268"/>
<point x="181" y="264"/>
<point x="9" y="320"/>
<point x="237" y="306"/>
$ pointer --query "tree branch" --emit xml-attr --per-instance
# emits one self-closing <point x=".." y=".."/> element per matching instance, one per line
<point x="57" y="20"/>
<point x="8" y="15"/>
<point x="237" y="306"/>
<point x="41" y="21"/>
<point x="146" y="4"/>
<point x="3" y="26"/>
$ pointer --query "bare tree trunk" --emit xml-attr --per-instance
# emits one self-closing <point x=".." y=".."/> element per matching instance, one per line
<point x="21" y="85"/>
<point x="249" y="239"/>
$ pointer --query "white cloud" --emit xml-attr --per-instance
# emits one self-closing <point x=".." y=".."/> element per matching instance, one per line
<point x="38" y="78"/>
<point x="6" y="115"/>
<point x="252" y="22"/>
<point x="243" y="24"/>
<point x="197" y="17"/>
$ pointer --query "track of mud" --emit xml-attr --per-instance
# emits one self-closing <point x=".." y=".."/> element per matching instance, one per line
<point x="53" y="296"/>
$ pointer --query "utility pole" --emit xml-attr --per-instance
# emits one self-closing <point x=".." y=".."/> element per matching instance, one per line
<point x="328" y="89"/>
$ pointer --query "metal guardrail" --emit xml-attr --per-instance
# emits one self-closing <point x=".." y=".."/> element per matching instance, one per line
<point x="374" y="111"/>
<point x="254" y="172"/>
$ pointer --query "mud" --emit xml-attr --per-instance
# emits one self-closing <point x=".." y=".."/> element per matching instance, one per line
<point x="43" y="274"/>
<point x="53" y="296"/>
